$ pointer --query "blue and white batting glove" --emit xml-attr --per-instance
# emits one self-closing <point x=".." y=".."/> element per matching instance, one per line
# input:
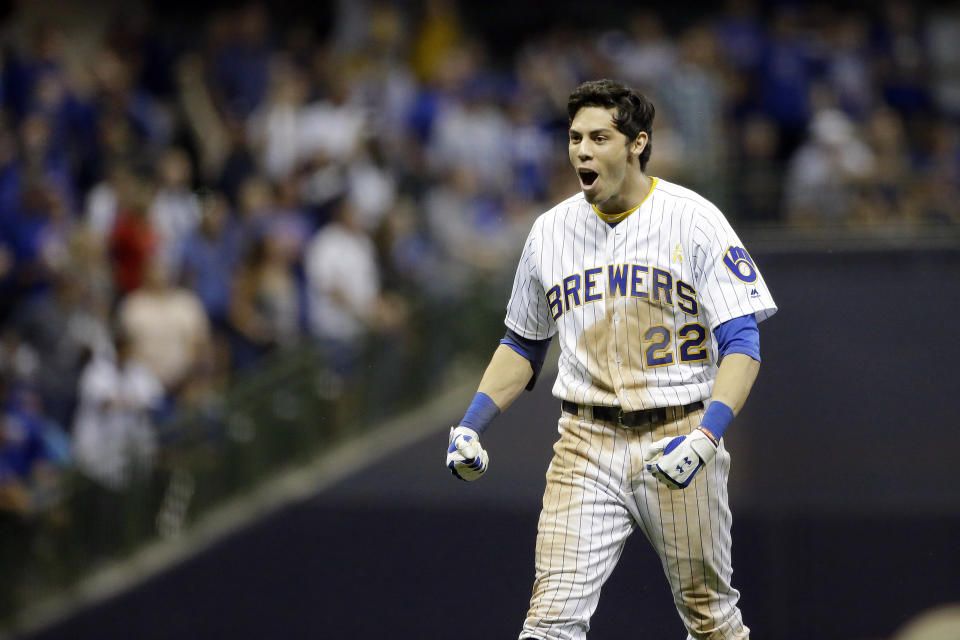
<point x="680" y="458"/>
<point x="466" y="459"/>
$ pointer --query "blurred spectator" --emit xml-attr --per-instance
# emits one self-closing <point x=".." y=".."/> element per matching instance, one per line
<point x="238" y="163"/>
<point x="114" y="439"/>
<point x="39" y="235"/>
<point x="472" y="133"/>
<point x="207" y="126"/>
<point x="19" y="362"/>
<point x="786" y="75"/>
<point x="888" y="196"/>
<point x="168" y="331"/>
<point x="268" y="210"/>
<point x="386" y="84"/>
<point x="63" y="328"/>
<point x="324" y="182"/>
<point x="646" y="54"/>
<point x="848" y="67"/>
<point x="757" y="183"/>
<point x="239" y="72"/>
<point x="41" y="53"/>
<point x="544" y="69"/>
<point x="211" y="254"/>
<point x="459" y="212"/>
<point x="22" y="465"/>
<point x="132" y="123"/>
<point x="409" y="259"/>
<point x="264" y="303"/>
<point x="274" y="127"/>
<point x="289" y="219"/>
<point x="741" y="35"/>
<point x="693" y="96"/>
<point x="89" y="263"/>
<point x="531" y="150"/>
<point x="174" y="212"/>
<point x="133" y="241"/>
<point x="333" y="125"/>
<point x="255" y="205"/>
<point x="452" y="79"/>
<point x="825" y="174"/>
<point x="41" y="159"/>
<point x="439" y="31"/>
<point x="29" y="459"/>
<point x="371" y="185"/>
<point x="343" y="287"/>
<point x="901" y="58"/>
<point x="103" y="199"/>
<point x="944" y="33"/>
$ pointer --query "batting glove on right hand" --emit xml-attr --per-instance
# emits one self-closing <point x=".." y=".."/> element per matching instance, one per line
<point x="466" y="459"/>
<point x="681" y="458"/>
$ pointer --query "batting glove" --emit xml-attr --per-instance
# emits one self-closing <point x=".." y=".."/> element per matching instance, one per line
<point x="466" y="459"/>
<point x="680" y="458"/>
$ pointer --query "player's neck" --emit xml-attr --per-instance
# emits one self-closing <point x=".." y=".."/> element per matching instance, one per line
<point x="631" y="195"/>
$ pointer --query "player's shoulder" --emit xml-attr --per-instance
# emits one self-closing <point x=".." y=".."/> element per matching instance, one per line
<point x="684" y="195"/>
<point x="686" y="199"/>
<point x="574" y="205"/>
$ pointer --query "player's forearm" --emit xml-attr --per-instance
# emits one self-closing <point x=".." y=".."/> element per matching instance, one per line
<point x="506" y="376"/>
<point x="735" y="378"/>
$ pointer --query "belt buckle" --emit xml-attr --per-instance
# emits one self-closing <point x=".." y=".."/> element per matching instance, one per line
<point x="620" y="417"/>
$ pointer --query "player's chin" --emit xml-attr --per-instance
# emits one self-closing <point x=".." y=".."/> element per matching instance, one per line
<point x="590" y="193"/>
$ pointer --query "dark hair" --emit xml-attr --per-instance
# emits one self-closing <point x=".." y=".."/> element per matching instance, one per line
<point x="634" y="111"/>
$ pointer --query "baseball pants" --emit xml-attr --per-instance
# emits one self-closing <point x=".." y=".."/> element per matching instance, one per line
<point x="597" y="493"/>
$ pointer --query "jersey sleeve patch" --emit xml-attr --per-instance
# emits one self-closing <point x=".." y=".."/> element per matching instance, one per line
<point x="740" y="264"/>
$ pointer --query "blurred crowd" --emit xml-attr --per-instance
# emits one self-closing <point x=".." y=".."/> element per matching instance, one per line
<point x="178" y="200"/>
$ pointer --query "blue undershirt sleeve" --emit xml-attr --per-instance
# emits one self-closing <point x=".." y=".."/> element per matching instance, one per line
<point x="533" y="350"/>
<point x="739" y="335"/>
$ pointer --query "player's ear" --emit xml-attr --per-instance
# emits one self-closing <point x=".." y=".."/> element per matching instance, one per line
<point x="639" y="143"/>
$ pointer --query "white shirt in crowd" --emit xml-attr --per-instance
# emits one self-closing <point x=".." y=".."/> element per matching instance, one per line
<point x="113" y="436"/>
<point x="342" y="261"/>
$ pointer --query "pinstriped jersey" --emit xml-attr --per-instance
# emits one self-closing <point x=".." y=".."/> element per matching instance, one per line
<point x="635" y="304"/>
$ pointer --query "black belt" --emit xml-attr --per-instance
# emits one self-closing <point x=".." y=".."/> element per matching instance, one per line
<point x="630" y="418"/>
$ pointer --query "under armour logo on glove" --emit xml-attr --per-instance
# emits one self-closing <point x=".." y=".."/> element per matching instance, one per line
<point x="679" y="458"/>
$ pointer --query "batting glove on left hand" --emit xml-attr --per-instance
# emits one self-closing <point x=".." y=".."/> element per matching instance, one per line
<point x="680" y="458"/>
<point x="466" y="459"/>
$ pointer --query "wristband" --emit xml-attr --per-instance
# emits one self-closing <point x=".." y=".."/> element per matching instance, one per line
<point x="717" y="418"/>
<point x="481" y="413"/>
<point x="716" y="441"/>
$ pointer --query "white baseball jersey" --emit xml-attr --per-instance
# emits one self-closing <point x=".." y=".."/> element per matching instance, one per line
<point x="636" y="304"/>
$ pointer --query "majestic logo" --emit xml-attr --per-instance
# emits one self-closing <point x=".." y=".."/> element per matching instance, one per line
<point x="678" y="253"/>
<point x="740" y="264"/>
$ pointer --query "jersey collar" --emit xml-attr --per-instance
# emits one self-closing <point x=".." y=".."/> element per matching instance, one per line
<point x="617" y="217"/>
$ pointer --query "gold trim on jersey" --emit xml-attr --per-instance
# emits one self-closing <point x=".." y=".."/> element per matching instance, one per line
<point x="617" y="217"/>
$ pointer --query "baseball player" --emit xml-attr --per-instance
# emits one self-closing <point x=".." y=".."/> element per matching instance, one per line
<point x="656" y="304"/>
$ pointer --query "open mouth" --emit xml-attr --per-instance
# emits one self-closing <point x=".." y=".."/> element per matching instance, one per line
<point x="587" y="177"/>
